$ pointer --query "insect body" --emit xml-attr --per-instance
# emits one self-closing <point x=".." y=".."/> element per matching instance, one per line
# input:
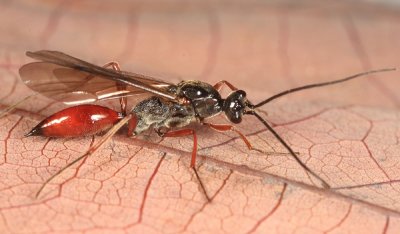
<point x="169" y="110"/>
<point x="205" y="102"/>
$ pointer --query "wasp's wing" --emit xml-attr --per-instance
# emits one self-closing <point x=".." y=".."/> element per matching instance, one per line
<point x="135" y="82"/>
<point x="73" y="86"/>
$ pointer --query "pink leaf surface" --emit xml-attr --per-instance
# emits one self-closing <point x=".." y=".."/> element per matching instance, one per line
<point x="348" y="134"/>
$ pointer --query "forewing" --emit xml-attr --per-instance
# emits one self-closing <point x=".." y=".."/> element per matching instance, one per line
<point x="73" y="86"/>
<point x="133" y="80"/>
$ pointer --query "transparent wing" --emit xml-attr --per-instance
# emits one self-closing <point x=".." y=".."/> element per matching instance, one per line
<point x="73" y="86"/>
<point x="64" y="77"/>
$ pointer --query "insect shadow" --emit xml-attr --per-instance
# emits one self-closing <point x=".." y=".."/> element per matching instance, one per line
<point x="169" y="109"/>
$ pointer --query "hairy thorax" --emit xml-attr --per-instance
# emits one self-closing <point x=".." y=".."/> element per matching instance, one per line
<point x="157" y="113"/>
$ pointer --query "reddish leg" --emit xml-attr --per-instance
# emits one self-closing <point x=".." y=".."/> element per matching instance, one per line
<point x="227" y="127"/>
<point x="123" y="100"/>
<point x="113" y="65"/>
<point x="218" y="85"/>
<point x="186" y="132"/>
<point x="132" y="124"/>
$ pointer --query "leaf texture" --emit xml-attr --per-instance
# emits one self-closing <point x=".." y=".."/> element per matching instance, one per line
<point x="348" y="134"/>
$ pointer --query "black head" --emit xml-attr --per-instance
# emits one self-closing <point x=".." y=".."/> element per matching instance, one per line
<point x="235" y="105"/>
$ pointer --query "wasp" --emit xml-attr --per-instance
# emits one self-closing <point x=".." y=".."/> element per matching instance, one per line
<point x="169" y="109"/>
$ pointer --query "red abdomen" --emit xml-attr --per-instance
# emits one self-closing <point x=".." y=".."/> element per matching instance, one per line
<point x="77" y="121"/>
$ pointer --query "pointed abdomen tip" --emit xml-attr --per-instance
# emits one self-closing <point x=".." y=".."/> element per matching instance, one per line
<point x="34" y="132"/>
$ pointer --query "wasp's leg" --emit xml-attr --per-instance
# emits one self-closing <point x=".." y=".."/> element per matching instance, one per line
<point x="227" y="127"/>
<point x="186" y="132"/>
<point x="122" y="100"/>
<point x="218" y="85"/>
<point x="132" y="123"/>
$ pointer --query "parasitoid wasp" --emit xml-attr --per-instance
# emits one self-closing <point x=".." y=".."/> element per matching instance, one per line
<point x="169" y="109"/>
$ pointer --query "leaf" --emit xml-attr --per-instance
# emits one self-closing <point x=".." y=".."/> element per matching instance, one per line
<point x="347" y="134"/>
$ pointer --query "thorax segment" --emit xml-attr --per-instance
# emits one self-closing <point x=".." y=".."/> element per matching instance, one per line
<point x="157" y="113"/>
